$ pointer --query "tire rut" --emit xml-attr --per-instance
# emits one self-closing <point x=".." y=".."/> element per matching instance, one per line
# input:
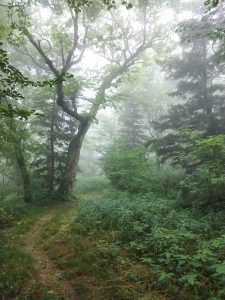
<point x="47" y="273"/>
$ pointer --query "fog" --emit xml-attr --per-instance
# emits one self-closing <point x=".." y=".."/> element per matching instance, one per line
<point x="112" y="149"/>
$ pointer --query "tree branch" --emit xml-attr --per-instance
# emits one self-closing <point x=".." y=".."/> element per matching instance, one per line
<point x="62" y="52"/>
<point x="60" y="101"/>
<point x="83" y="47"/>
<point x="32" y="58"/>
<point x="37" y="46"/>
<point x="107" y="81"/>
<point x="68" y="60"/>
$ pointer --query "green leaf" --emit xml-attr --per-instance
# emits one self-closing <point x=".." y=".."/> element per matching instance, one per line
<point x="220" y="269"/>
<point x="189" y="278"/>
<point x="164" y="276"/>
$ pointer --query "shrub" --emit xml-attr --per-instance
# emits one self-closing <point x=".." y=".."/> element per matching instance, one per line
<point x="204" y="183"/>
<point x="5" y="218"/>
<point x="132" y="171"/>
<point x="182" y="248"/>
<point x="87" y="184"/>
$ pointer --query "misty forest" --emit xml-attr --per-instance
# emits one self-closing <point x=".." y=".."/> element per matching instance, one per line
<point x="112" y="149"/>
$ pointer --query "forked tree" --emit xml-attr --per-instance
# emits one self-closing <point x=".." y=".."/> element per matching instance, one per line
<point x="119" y="36"/>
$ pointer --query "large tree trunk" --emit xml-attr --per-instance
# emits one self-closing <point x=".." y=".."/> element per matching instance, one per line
<point x="23" y="171"/>
<point x="73" y="156"/>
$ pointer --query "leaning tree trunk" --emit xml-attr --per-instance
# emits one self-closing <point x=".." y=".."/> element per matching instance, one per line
<point x="72" y="160"/>
<point x="25" y="177"/>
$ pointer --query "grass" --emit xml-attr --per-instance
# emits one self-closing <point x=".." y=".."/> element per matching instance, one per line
<point x="98" y="267"/>
<point x="17" y="274"/>
<point x="182" y="248"/>
<point x="118" y="246"/>
<point x="91" y="184"/>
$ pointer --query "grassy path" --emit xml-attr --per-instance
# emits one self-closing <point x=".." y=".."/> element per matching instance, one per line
<point x="49" y="276"/>
<point x="50" y="254"/>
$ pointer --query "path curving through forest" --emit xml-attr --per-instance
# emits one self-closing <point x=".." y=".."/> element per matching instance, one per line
<point x="48" y="275"/>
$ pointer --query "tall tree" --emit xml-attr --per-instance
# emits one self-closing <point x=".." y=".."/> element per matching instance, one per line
<point x="199" y="89"/>
<point x="121" y="46"/>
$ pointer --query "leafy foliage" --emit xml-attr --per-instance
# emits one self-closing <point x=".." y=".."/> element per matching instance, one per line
<point x="108" y="3"/>
<point x="203" y="160"/>
<point x="126" y="170"/>
<point x="133" y="171"/>
<point x="5" y="218"/>
<point x="212" y="3"/>
<point x="161" y="226"/>
<point x="10" y="79"/>
<point x="205" y="181"/>
<point x="183" y="248"/>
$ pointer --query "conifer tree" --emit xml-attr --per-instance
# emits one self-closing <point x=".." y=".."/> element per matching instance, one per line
<point x="199" y="90"/>
<point x="132" y="127"/>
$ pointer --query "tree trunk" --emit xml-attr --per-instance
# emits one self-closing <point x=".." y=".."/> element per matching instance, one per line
<point x="51" y="154"/>
<point x="208" y="101"/>
<point x="73" y="156"/>
<point x="23" y="171"/>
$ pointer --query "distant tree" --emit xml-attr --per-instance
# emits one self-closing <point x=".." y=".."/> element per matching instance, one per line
<point x="132" y="129"/>
<point x="200" y="90"/>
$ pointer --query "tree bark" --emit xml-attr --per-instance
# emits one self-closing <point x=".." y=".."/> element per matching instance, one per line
<point x="51" y="154"/>
<point x="73" y="154"/>
<point x="72" y="161"/>
<point x="23" y="171"/>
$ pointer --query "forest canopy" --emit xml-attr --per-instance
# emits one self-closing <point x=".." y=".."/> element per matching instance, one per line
<point x="112" y="149"/>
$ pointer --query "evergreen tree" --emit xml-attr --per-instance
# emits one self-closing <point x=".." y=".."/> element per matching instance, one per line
<point x="200" y="92"/>
<point x="53" y="135"/>
<point x="132" y="127"/>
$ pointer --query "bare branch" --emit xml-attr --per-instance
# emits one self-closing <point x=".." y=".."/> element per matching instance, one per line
<point x="45" y="40"/>
<point x="68" y="60"/>
<point x="59" y="89"/>
<point x="145" y="22"/>
<point x="37" y="46"/>
<point x="32" y="58"/>
<point x="113" y="61"/>
<point x="8" y="6"/>
<point x="62" y="53"/>
<point x="125" y="36"/>
<point x="85" y="99"/>
<point x="108" y="80"/>
<point x="83" y="47"/>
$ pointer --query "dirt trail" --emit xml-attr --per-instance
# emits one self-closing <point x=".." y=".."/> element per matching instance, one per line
<point x="48" y="274"/>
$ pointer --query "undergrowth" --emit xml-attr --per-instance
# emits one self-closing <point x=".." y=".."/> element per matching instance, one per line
<point x="97" y="266"/>
<point x="115" y="245"/>
<point x="183" y="249"/>
<point x="120" y="246"/>
<point x="94" y="261"/>
<point x="17" y="274"/>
